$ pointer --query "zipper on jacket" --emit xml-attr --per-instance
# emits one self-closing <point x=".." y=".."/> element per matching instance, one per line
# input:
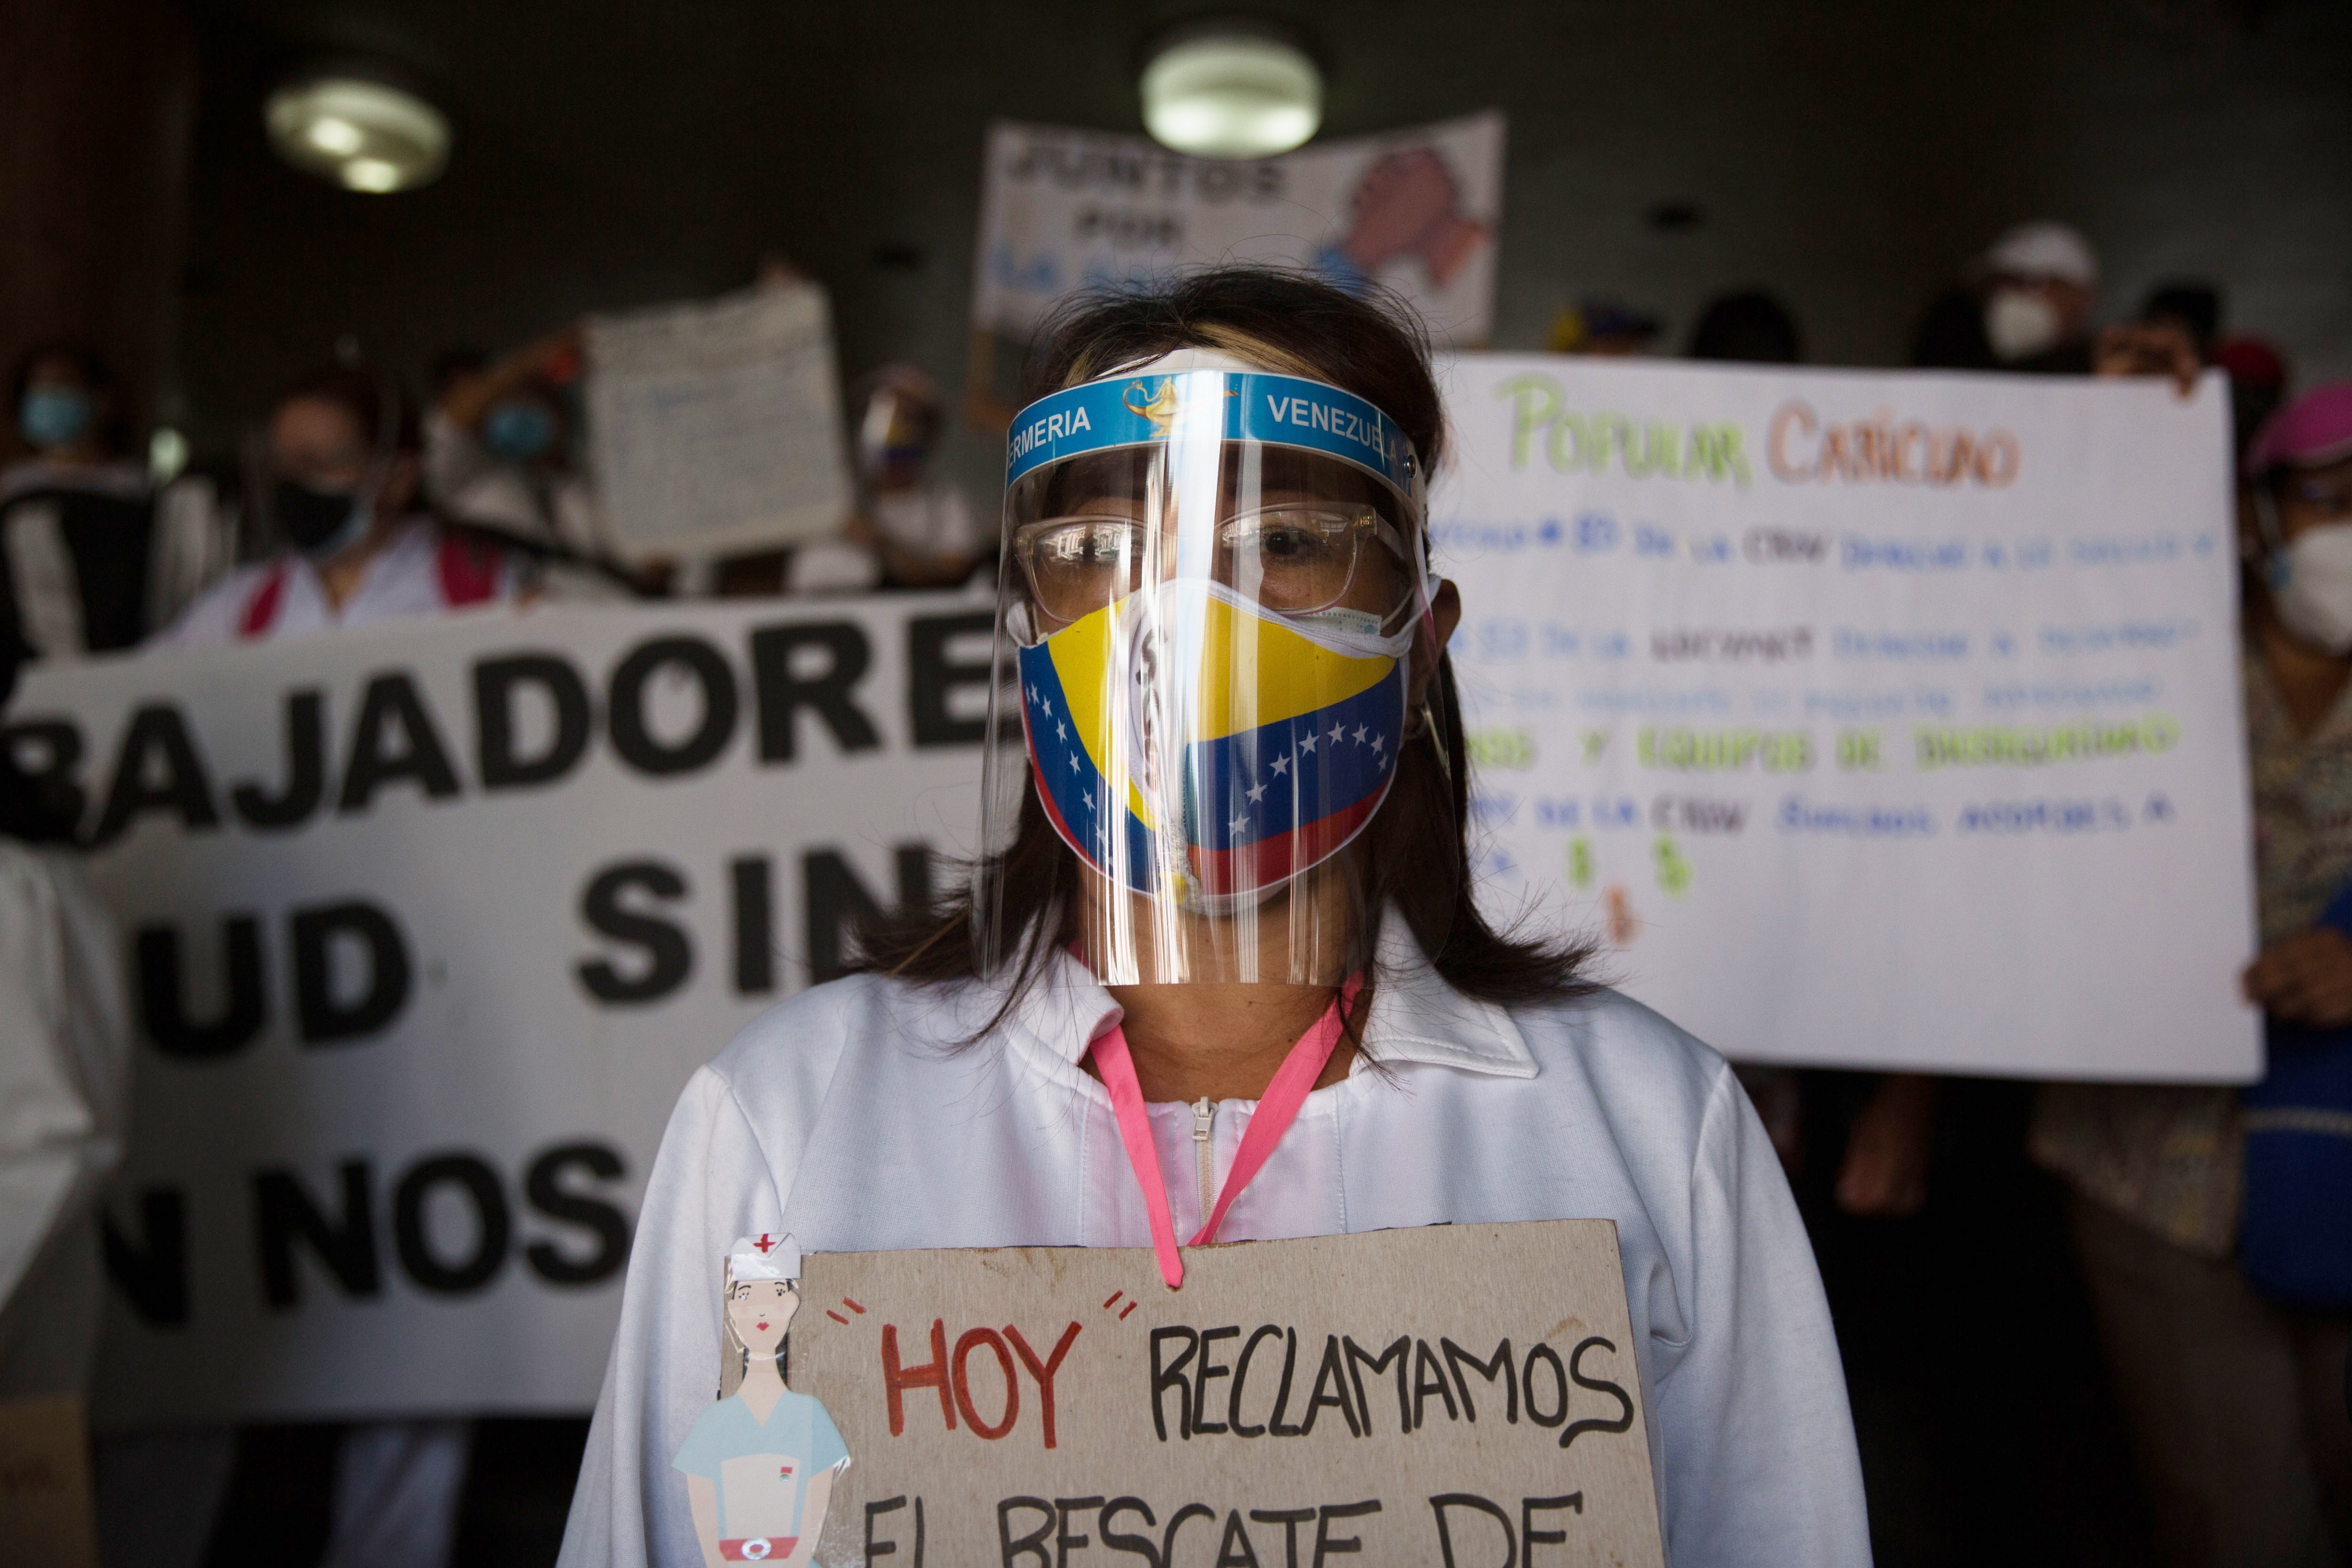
<point x="1204" y="1116"/>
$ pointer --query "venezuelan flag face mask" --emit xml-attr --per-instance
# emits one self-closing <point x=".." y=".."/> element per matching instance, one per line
<point x="1212" y="586"/>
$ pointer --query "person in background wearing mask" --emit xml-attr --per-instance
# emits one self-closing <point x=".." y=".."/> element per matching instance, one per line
<point x="2214" y="1227"/>
<point x="337" y="481"/>
<point x="93" y="556"/>
<point x="920" y="524"/>
<point x="2038" y="284"/>
<point x="2026" y="307"/>
<point x="2029" y="312"/>
<point x="499" y="454"/>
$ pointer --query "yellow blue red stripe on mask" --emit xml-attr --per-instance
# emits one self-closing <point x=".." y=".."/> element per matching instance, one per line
<point x="1287" y="746"/>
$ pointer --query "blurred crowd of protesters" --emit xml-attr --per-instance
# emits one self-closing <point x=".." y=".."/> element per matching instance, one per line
<point x="2214" y="1253"/>
<point x="2211" y="1227"/>
<point x="350" y="504"/>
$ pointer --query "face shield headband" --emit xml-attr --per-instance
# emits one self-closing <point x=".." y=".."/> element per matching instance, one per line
<point x="1213" y="581"/>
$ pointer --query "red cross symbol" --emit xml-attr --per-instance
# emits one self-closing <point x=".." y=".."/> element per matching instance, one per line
<point x="763" y="1244"/>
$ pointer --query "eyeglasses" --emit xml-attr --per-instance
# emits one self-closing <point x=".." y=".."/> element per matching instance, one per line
<point x="1294" y="559"/>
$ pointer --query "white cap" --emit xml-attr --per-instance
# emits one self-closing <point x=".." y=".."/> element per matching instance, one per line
<point x="764" y="1257"/>
<point x="2044" y="249"/>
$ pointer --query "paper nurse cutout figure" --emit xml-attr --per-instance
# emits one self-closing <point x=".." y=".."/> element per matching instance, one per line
<point x="761" y="1462"/>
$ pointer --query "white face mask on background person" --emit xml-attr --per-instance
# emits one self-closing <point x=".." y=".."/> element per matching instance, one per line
<point x="2020" y="323"/>
<point x="2311" y="585"/>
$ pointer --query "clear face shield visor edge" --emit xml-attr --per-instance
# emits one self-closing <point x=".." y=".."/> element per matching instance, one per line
<point x="1209" y="634"/>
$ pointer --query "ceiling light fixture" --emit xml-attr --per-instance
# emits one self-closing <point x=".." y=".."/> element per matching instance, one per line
<point x="364" y="134"/>
<point x="1231" y="89"/>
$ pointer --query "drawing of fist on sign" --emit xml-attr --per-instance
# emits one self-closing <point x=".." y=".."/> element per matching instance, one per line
<point x="1408" y="205"/>
<point x="1459" y="1396"/>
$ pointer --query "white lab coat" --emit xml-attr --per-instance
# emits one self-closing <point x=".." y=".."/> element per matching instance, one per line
<point x="413" y="575"/>
<point x="191" y="542"/>
<point x="65" y="1091"/>
<point x="846" y="1117"/>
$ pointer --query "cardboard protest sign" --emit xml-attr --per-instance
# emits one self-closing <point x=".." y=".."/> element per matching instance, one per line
<point x="1464" y="1395"/>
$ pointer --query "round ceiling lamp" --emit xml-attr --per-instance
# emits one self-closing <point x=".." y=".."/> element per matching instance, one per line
<point x="1231" y="89"/>
<point x="364" y="135"/>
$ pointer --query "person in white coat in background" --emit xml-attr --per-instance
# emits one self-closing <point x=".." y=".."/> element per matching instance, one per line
<point x="337" y="488"/>
<point x="65" y="1092"/>
<point x="98" y="549"/>
<point x="337" y="481"/>
<point x="1280" y="990"/>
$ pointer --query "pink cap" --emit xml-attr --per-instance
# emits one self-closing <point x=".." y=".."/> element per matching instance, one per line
<point x="2313" y="430"/>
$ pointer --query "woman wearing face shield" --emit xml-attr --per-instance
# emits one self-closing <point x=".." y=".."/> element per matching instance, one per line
<point x="335" y="493"/>
<point x="1219" y="974"/>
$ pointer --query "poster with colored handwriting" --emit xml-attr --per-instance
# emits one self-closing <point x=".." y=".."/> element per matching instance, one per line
<point x="1415" y="210"/>
<point x="1873" y="719"/>
<point x="1457" y="1395"/>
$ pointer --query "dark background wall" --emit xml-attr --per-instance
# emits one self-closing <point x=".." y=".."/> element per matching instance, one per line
<point x="95" y="102"/>
<point x="1848" y="153"/>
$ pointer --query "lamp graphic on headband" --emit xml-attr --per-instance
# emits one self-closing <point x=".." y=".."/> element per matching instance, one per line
<point x="761" y="1462"/>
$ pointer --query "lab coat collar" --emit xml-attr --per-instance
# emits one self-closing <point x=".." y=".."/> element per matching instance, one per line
<point x="1415" y="1016"/>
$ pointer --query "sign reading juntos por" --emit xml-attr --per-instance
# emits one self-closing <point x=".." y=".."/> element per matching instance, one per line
<point x="1459" y="1396"/>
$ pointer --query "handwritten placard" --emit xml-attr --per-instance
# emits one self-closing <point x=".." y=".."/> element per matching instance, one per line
<point x="717" y="424"/>
<point x="1459" y="1396"/>
<point x="1877" y="719"/>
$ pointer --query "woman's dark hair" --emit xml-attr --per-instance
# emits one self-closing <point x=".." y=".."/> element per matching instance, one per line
<point x="386" y="417"/>
<point x="1372" y="347"/>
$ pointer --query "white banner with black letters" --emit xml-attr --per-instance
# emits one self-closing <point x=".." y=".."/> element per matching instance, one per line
<point x="427" y="928"/>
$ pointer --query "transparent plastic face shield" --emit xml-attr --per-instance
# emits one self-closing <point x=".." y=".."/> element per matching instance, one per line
<point x="1214" y="625"/>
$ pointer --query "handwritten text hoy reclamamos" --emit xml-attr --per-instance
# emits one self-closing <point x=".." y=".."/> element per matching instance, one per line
<point x="1244" y="1383"/>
